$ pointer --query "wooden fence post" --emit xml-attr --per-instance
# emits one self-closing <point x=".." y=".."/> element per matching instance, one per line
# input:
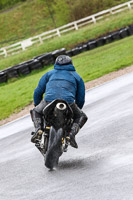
<point x="111" y="12"/>
<point x="58" y="33"/>
<point x="5" y="52"/>
<point x="94" y="19"/>
<point x="40" y="39"/>
<point x="76" y="26"/>
<point x="23" y="47"/>
<point x="129" y="6"/>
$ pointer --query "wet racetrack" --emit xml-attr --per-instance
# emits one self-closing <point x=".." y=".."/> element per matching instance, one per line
<point x="100" y="169"/>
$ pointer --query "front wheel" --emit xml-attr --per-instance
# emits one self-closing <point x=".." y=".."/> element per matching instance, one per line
<point x="54" y="150"/>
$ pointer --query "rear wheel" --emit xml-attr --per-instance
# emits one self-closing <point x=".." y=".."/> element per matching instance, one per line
<point x="54" y="150"/>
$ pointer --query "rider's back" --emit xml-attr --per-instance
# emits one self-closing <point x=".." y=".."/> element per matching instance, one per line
<point x="60" y="83"/>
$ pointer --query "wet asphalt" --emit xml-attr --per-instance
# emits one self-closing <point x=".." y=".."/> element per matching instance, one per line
<point x="100" y="169"/>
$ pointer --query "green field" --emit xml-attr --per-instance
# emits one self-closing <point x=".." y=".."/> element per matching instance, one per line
<point x="18" y="93"/>
<point x="71" y="39"/>
<point x="22" y="19"/>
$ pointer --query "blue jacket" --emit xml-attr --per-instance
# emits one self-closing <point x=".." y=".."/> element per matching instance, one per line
<point x="62" y="82"/>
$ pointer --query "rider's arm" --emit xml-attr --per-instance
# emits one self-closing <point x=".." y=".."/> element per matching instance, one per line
<point x="40" y="90"/>
<point x="80" y="97"/>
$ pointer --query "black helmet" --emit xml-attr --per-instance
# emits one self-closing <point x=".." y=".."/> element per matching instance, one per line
<point x="63" y="60"/>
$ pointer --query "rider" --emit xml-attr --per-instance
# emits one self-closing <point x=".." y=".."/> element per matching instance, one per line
<point x="62" y="82"/>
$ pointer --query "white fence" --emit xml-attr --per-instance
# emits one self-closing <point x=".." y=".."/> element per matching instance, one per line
<point x="23" y="45"/>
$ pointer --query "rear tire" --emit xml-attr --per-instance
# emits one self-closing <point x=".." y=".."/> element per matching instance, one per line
<point x="54" y="148"/>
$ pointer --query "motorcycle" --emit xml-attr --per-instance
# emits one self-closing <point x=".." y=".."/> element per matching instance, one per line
<point x="58" y="118"/>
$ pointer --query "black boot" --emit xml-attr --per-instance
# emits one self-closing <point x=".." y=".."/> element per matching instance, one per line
<point x="38" y="124"/>
<point x="74" y="130"/>
<point x="80" y="119"/>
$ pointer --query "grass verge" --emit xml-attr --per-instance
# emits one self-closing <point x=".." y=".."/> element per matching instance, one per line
<point x="18" y="93"/>
<point x="71" y="39"/>
<point x="32" y="17"/>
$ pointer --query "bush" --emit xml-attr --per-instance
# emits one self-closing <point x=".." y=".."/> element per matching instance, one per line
<point x="80" y="9"/>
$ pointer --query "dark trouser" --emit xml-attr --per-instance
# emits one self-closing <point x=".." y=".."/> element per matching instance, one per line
<point x="80" y="117"/>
